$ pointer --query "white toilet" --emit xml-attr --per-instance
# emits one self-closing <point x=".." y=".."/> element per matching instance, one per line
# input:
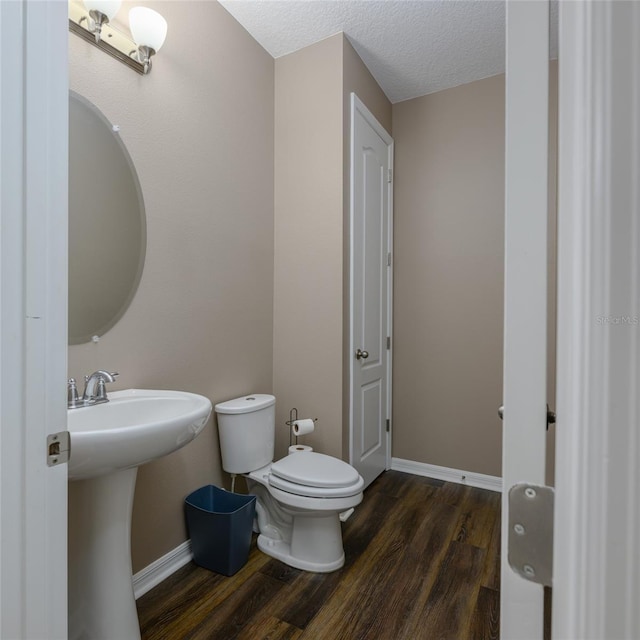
<point x="299" y="497"/>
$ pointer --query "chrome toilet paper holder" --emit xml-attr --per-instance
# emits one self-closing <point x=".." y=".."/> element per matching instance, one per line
<point x="293" y="416"/>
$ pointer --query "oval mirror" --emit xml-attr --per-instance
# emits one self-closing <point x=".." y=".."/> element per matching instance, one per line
<point x="107" y="226"/>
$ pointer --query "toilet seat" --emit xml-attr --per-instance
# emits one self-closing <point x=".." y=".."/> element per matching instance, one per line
<point x="315" y="475"/>
<point x="294" y="495"/>
<point x="313" y="469"/>
<point x="316" y="492"/>
<point x="311" y="506"/>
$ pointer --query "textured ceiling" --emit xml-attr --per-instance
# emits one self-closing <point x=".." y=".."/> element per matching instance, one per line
<point x="412" y="47"/>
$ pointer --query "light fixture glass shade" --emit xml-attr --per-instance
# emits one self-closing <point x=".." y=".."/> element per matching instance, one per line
<point x="108" y="7"/>
<point x="148" y="27"/>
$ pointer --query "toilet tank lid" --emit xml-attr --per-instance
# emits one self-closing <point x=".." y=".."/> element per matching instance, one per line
<point x="246" y="404"/>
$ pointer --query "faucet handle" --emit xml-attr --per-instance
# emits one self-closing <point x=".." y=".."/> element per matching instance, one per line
<point x="101" y="391"/>
<point x="72" y="393"/>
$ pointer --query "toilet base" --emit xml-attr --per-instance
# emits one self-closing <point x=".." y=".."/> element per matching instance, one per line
<point x="281" y="550"/>
<point x="312" y="543"/>
<point x="301" y="531"/>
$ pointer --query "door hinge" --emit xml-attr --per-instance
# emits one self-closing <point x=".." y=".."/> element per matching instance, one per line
<point x="58" y="448"/>
<point x="389" y="175"/>
<point x="388" y="425"/>
<point x="389" y="259"/>
<point x="530" y="545"/>
<point x="388" y="342"/>
<point x="551" y="415"/>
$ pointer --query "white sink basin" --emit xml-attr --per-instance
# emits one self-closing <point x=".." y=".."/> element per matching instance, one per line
<point x="108" y="443"/>
<point x="134" y="427"/>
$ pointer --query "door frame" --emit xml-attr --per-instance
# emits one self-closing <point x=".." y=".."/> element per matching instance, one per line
<point x="358" y="106"/>
<point x="33" y="325"/>
<point x="525" y="291"/>
<point x="597" y="512"/>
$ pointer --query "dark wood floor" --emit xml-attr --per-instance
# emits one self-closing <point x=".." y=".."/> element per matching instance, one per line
<point x="422" y="562"/>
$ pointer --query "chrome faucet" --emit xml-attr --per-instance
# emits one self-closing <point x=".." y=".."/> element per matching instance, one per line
<point x="94" y="389"/>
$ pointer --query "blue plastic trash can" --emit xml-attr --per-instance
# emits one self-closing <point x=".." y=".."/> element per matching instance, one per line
<point x="220" y="524"/>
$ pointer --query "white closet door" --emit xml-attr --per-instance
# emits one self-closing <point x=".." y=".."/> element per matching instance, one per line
<point x="371" y="160"/>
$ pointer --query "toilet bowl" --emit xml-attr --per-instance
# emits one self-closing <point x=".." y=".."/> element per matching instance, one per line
<point x="299" y="498"/>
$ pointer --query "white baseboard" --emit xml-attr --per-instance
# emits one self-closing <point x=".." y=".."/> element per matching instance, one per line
<point x="479" y="480"/>
<point x="162" y="568"/>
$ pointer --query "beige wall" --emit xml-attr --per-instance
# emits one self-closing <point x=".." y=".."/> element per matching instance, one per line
<point x="311" y="192"/>
<point x="449" y="275"/>
<point x="357" y="78"/>
<point x="199" y="129"/>
<point x="307" y="339"/>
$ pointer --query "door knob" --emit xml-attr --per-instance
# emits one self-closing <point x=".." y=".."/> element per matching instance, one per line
<point x="362" y="354"/>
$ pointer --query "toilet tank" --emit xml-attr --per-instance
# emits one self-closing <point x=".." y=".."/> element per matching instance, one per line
<point x="246" y="428"/>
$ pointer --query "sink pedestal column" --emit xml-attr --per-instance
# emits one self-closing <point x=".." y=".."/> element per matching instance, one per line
<point x="102" y="604"/>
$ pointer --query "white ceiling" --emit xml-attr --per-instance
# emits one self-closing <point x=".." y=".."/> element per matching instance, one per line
<point x="412" y="47"/>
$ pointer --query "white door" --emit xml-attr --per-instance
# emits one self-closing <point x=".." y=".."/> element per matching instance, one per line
<point x="525" y="338"/>
<point x="370" y="340"/>
<point x="33" y="302"/>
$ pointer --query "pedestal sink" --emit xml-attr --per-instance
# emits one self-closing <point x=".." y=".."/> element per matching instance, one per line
<point x="108" y="443"/>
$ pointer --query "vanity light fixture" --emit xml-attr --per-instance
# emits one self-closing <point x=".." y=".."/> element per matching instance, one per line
<point x="100" y="12"/>
<point x="91" y="20"/>
<point x="149" y="29"/>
